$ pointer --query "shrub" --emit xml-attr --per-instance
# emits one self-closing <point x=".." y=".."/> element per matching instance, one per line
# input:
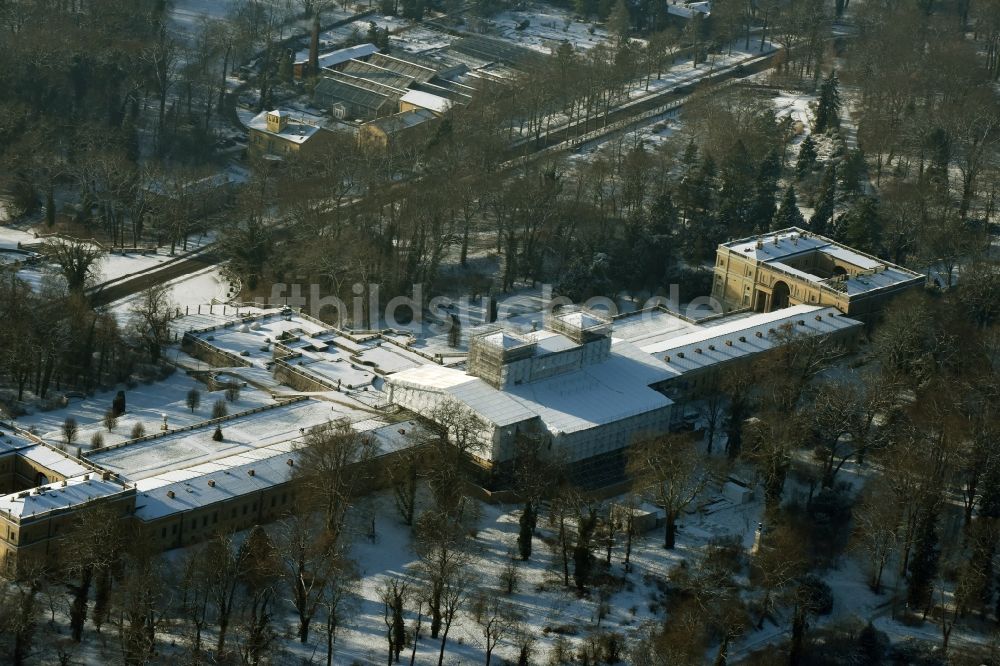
<point x="233" y="391"/>
<point x="96" y="441"/>
<point x="70" y="430"/>
<point x="219" y="409"/>
<point x="217" y="435"/>
<point x="509" y="576"/>
<point x="110" y="420"/>
<point x="193" y="399"/>
<point x="138" y="430"/>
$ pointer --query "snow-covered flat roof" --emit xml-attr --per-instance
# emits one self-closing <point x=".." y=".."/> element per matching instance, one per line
<point x="597" y="394"/>
<point x="11" y="442"/>
<point x="245" y="433"/>
<point x="590" y="396"/>
<point x="549" y="342"/>
<point x="300" y="128"/>
<point x="247" y="472"/>
<point x="850" y="256"/>
<point x="651" y="326"/>
<point x="162" y="496"/>
<point x="54" y="460"/>
<point x="581" y="319"/>
<point x="505" y="340"/>
<point x="495" y="406"/>
<point x="746" y="336"/>
<point x="776" y="247"/>
<point x="889" y="277"/>
<point x="390" y="358"/>
<point x="426" y="100"/>
<point x="79" y="490"/>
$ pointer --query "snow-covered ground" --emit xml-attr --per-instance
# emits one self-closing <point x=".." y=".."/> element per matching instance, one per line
<point x="113" y="266"/>
<point x="796" y="106"/>
<point x="359" y="29"/>
<point x="187" y="17"/>
<point x="10" y="237"/>
<point x="546" y="27"/>
<point x="419" y="39"/>
<point x="186" y="293"/>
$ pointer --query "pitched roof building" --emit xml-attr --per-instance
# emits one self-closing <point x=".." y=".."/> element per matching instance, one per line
<point x="281" y="133"/>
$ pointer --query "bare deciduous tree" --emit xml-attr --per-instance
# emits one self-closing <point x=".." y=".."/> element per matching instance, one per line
<point x="150" y="319"/>
<point x="328" y="471"/>
<point x="672" y="472"/>
<point x="77" y="261"/>
<point x="496" y="619"/>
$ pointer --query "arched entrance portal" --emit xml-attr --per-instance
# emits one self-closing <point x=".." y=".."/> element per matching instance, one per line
<point x="779" y="296"/>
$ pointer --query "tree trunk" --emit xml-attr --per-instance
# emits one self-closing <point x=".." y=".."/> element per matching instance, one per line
<point x="444" y="640"/>
<point x="78" y="608"/>
<point x="304" y="621"/>
<point x="670" y="530"/>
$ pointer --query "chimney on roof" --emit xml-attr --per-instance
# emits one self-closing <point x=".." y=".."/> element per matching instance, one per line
<point x="250" y="472"/>
<point x="314" y="46"/>
<point x="170" y="494"/>
<point x="211" y="483"/>
<point x="290" y="462"/>
<point x="760" y="243"/>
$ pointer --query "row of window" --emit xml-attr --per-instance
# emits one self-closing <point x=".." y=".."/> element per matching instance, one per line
<point x="234" y="511"/>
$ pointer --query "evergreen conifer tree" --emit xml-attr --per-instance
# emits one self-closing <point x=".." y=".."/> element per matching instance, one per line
<point x="828" y="109"/>
<point x="823" y="216"/>
<point x="807" y="157"/>
<point x="923" y="566"/>
<point x="788" y="214"/>
<point x="861" y="226"/>
<point x="766" y="183"/>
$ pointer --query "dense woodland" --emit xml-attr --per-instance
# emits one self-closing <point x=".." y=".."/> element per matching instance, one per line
<point x="901" y="161"/>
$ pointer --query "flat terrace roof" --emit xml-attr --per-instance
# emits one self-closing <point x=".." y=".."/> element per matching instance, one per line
<point x="247" y="472"/>
<point x="243" y="434"/>
<point x="778" y="247"/>
<point x="43" y="455"/>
